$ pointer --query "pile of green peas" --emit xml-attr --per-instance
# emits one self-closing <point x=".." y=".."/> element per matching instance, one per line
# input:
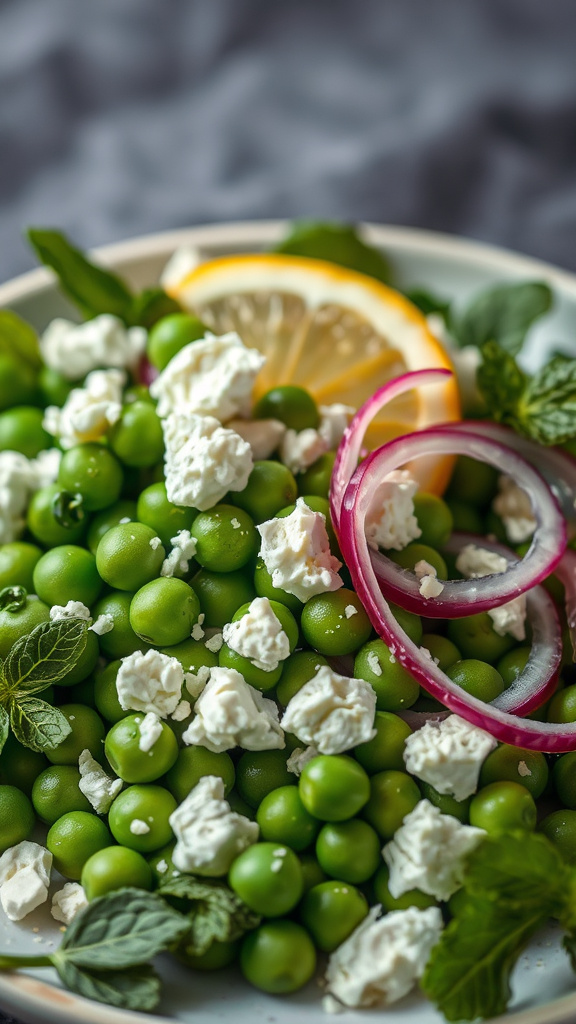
<point x="317" y="867"/>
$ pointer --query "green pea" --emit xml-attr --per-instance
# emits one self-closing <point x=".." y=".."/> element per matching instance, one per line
<point x="106" y="694"/>
<point x="87" y="733"/>
<point x="67" y="573"/>
<point x="331" y="911"/>
<point x="291" y="405"/>
<point x="18" y="384"/>
<point x="434" y="519"/>
<point x="53" y="386"/>
<point x="113" y="868"/>
<point x="512" y="664"/>
<point x="333" y="787"/>
<point x="92" y="471"/>
<point x="477" y="678"/>
<point x="121" y="640"/>
<point x="20" y="622"/>
<point x="271" y="486"/>
<point x="258" y="772"/>
<point x="297" y="670"/>
<point x="409" y="622"/>
<point x="129" y="556"/>
<point x="560" y="828"/>
<point x="17" y="562"/>
<point x="161" y="515"/>
<point x="562" y="707"/>
<point x="335" y="623"/>
<point x="21" y="430"/>
<point x="395" y="688"/>
<point x="164" y="611"/>
<point x="170" y="334"/>
<point x="416" y="552"/>
<point x="44" y="526"/>
<point x="392" y="796"/>
<point x="386" y="750"/>
<point x="475" y="637"/>
<point x="465" y="518"/>
<point x="413" y="898"/>
<point x="283" y="818"/>
<point x="192" y="764"/>
<point x="278" y="957"/>
<point x="268" y="878"/>
<point x="316" y="479"/>
<point x="503" y="806"/>
<point x="447" y="804"/>
<point x="151" y="804"/>
<point x="265" y="588"/>
<point x="564" y="777"/>
<point x="473" y="482"/>
<point x="137" y="438"/>
<point x="221" y="594"/>
<point x="443" y="651"/>
<point x="514" y="764"/>
<point x="349" y="850"/>
<point x="226" y="538"/>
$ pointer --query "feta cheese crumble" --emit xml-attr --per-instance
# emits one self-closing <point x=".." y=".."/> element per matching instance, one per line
<point x="513" y="506"/>
<point x="332" y="712"/>
<point x="98" y="788"/>
<point x="68" y="902"/>
<point x="182" y="712"/>
<point x="71" y="610"/>
<point x="73" y="350"/>
<point x="258" y="636"/>
<point x="209" y="834"/>
<point x="334" y="421"/>
<point x="430" y="586"/>
<point x="104" y="624"/>
<point x="139" y="827"/>
<point x="195" y="682"/>
<point x="88" y="412"/>
<point x="183" y="550"/>
<point x="214" y="642"/>
<point x="296" y="552"/>
<point x="18" y="481"/>
<point x="448" y="755"/>
<point x="429" y="851"/>
<point x="24" y="879"/>
<point x="230" y="713"/>
<point x="150" y="730"/>
<point x="299" y="758"/>
<point x="381" y="961"/>
<point x="299" y="449"/>
<point x="213" y="376"/>
<point x="263" y="436"/>
<point x="350" y="610"/>
<point x="391" y="522"/>
<point x="155" y="542"/>
<point x="149" y="682"/>
<point x="474" y="563"/>
<point x="203" y="460"/>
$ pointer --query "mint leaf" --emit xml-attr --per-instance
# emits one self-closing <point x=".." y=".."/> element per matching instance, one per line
<point x="19" y="338"/>
<point x="151" y="305"/>
<point x="37" y="725"/>
<point x="501" y="382"/>
<point x="338" y="243"/>
<point x="45" y="655"/>
<point x="503" y="314"/>
<point x="4" y="727"/>
<point x="138" y="988"/>
<point x="521" y="869"/>
<point x="547" y="410"/>
<point x="216" y="913"/>
<point x="429" y="303"/>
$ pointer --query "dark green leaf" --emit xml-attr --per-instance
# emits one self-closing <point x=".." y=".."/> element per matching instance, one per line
<point x="501" y="383"/>
<point x="18" y="338"/>
<point x="338" y="243"/>
<point x="4" y="727"/>
<point x="45" y="655"/>
<point x="520" y="868"/>
<point x="138" y="988"/>
<point x="216" y="913"/>
<point x="151" y="305"/>
<point x="93" y="289"/>
<point x="123" y="929"/>
<point x="548" y="407"/>
<point x="37" y="725"/>
<point x="429" y="303"/>
<point x="504" y="314"/>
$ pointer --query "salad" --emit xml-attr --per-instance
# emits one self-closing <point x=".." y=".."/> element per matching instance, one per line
<point x="287" y="643"/>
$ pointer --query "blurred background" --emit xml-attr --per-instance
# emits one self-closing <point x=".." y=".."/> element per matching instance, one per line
<point x="121" y="117"/>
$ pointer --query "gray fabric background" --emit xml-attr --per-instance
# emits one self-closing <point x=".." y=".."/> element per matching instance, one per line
<point x="119" y="117"/>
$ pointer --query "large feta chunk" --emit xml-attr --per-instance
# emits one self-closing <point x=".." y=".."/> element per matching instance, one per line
<point x="230" y="713"/>
<point x="203" y="460"/>
<point x="448" y="755"/>
<point x="98" y="788"/>
<point x="71" y="610"/>
<point x="183" y="550"/>
<point x="209" y="835"/>
<point x="300" y="448"/>
<point x="429" y="851"/>
<point x="210" y="377"/>
<point x="334" y="421"/>
<point x="514" y="507"/>
<point x="88" y="412"/>
<point x="332" y="712"/>
<point x="18" y="481"/>
<point x="263" y="436"/>
<point x="258" y="636"/>
<point x="391" y="522"/>
<point x="22" y="893"/>
<point x="68" y="902"/>
<point x="26" y="855"/>
<point x="150" y="682"/>
<point x="381" y="961"/>
<point x="73" y="350"/>
<point x="474" y="563"/>
<point x="296" y="552"/>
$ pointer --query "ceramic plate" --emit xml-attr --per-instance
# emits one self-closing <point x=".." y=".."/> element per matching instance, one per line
<point x="543" y="980"/>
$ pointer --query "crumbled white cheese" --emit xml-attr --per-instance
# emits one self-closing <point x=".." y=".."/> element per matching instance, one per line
<point x="474" y="563"/>
<point x="68" y="902"/>
<point x="381" y="961"/>
<point x="213" y="376"/>
<point x="162" y="867"/>
<point x="209" y="834"/>
<point x="88" y="412"/>
<point x="230" y="713"/>
<point x="46" y="466"/>
<point x="214" y="643"/>
<point x="183" y="551"/>
<point x="299" y="758"/>
<point x="350" y="610"/>
<point x="197" y="631"/>
<point x="98" y="788"/>
<point x="154" y="542"/>
<point x="150" y="730"/>
<point x="203" y="460"/>
<point x="73" y="350"/>
<point x="139" y="827"/>
<point x="182" y="712"/>
<point x="26" y="855"/>
<point x="195" y="682"/>
<point x="429" y="851"/>
<point x="430" y="585"/>
<point x="296" y="552"/>
<point x="71" y="610"/>
<point x="104" y="624"/>
<point x="18" y="481"/>
<point x="301" y="448"/>
<point x="448" y="755"/>
<point x="513" y="506"/>
<point x="258" y="636"/>
<point x="374" y="663"/>
<point x="24" y="879"/>
<point x="182" y="262"/>
<point x="332" y="712"/>
<point x="523" y="770"/>
<point x="391" y="522"/>
<point x="334" y="421"/>
<point x="263" y="436"/>
<point x="150" y="682"/>
<point x="331" y="1005"/>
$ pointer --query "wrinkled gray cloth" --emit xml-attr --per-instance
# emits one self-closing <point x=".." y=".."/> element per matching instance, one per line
<point x="120" y="117"/>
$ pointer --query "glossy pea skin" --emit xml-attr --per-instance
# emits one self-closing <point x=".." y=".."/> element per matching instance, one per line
<point x="112" y="868"/>
<point x="413" y="898"/>
<point x="67" y="573"/>
<point x="475" y="637"/>
<point x="137" y="438"/>
<point x="311" y="871"/>
<point x="86" y="663"/>
<point x="170" y="334"/>
<point x="87" y="733"/>
<point x="163" y="612"/>
<point x="416" y="552"/>
<point x="221" y="594"/>
<point x="333" y="787"/>
<point x="106" y="695"/>
<point x="129" y="556"/>
<point x="278" y="957"/>
<point x="292" y="405"/>
<point x="478" y="678"/>
<point x="92" y="471"/>
<point x="331" y="911"/>
<point x="473" y="482"/>
<point x="42" y="522"/>
<point x="21" y="431"/>
<point x="564" y="778"/>
<point x="18" y="383"/>
<point x="442" y="649"/>
<point x="154" y="510"/>
<point x="560" y="828"/>
<point x="328" y="629"/>
<point x="56" y="792"/>
<point x="409" y="622"/>
<point x="268" y="878"/>
<point x="297" y="670"/>
<point x="73" y="839"/>
<point x="16" y="817"/>
<point x="283" y="818"/>
<point x="271" y="486"/>
<point x="393" y="685"/>
<point x="128" y="761"/>
<point x="19" y="766"/>
<point x="349" y="850"/>
<point x="192" y="764"/>
<point x="514" y="764"/>
<point x="562" y="707"/>
<point x="258" y="772"/>
<point x="316" y="479"/>
<point x="14" y="624"/>
<point x="265" y="588"/>
<point x="17" y="562"/>
<point x="226" y="538"/>
<point x="503" y="806"/>
<point x="149" y="803"/>
<point x="385" y="751"/>
<point x="512" y="664"/>
<point x="434" y="519"/>
<point x="192" y="655"/>
<point x="109" y="517"/>
<point x="120" y="641"/>
<point x="260" y="679"/>
<point x="393" y="795"/>
<point x="446" y="803"/>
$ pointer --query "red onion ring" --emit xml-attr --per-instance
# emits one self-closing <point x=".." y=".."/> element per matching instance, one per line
<point x="548" y="542"/>
<point x="547" y="736"/>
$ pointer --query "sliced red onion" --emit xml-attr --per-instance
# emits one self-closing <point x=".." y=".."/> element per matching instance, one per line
<point x="504" y="726"/>
<point x="350" y="447"/>
<point x="146" y="372"/>
<point x="566" y="573"/>
<point x="458" y="596"/>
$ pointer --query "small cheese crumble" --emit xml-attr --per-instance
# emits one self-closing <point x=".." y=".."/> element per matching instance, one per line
<point x="209" y="835"/>
<point x="448" y="755"/>
<point x="154" y="542"/>
<point x="334" y="421"/>
<point x="182" y="712"/>
<point x="258" y="636"/>
<point x="73" y="350"/>
<point x="162" y="867"/>
<point x="230" y="713"/>
<point x="214" y="643"/>
<point x="263" y="436"/>
<point x="235" y="524"/>
<point x="332" y="712"/>
<point x="374" y="663"/>
<point x="514" y="507"/>
<point x="139" y="827"/>
<point x="391" y="522"/>
<point x="183" y="550"/>
<point x="430" y="586"/>
<point x="24" y="879"/>
<point x="296" y="552"/>
<point x="98" y="788"/>
<point x="150" y="730"/>
<point x="72" y="610"/>
<point x="523" y="770"/>
<point x="299" y="758"/>
<point x="104" y="624"/>
<point x="68" y="902"/>
<point x="196" y="681"/>
<point x="509" y="618"/>
<point x="149" y="682"/>
<point x="350" y="610"/>
<point x="300" y="449"/>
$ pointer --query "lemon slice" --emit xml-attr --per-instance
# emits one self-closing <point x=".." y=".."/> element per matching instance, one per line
<point x="335" y="332"/>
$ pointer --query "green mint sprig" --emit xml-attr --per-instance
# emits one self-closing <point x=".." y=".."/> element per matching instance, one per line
<point x="216" y="914"/>
<point x="96" y="290"/>
<point x="34" y="663"/>
<point x="337" y="243"/>
<point x="106" y="950"/>
<point x="514" y="883"/>
<point x="503" y="314"/>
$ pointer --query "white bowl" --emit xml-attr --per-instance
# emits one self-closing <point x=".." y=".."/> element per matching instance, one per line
<point x="452" y="267"/>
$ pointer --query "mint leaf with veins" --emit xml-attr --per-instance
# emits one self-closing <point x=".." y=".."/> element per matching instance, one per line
<point x="216" y="913"/>
<point x="4" y="727"/>
<point x="503" y="314"/>
<point x="44" y="656"/>
<point x="37" y="724"/>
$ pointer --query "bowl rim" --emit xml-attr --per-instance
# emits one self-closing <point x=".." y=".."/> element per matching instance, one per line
<point x="23" y="993"/>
